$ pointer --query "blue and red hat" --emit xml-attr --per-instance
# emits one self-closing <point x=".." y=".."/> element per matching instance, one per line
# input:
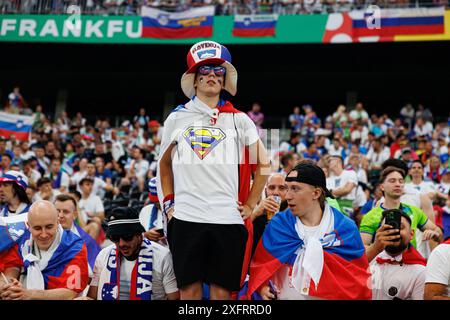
<point x="208" y="52"/>
<point x="15" y="176"/>
<point x="152" y="194"/>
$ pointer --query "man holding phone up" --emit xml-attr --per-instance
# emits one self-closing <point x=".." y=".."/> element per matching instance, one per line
<point x="398" y="272"/>
<point x="376" y="238"/>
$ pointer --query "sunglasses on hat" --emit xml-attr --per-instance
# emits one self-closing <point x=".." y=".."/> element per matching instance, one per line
<point x="125" y="237"/>
<point x="218" y="70"/>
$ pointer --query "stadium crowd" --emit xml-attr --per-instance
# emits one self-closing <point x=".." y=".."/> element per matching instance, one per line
<point x="223" y="7"/>
<point x="102" y="186"/>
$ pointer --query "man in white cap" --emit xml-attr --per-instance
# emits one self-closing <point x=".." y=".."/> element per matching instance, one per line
<point x="201" y="178"/>
<point x="13" y="186"/>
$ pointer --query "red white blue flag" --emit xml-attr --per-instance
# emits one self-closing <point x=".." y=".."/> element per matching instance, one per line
<point x="192" y="23"/>
<point x="345" y="273"/>
<point x="392" y="22"/>
<point x="255" y="25"/>
<point x="15" y="124"/>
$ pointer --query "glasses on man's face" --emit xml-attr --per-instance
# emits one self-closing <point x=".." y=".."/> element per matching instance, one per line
<point x="125" y="237"/>
<point x="218" y="70"/>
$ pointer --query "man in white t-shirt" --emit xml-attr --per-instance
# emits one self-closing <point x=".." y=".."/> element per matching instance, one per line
<point x="91" y="208"/>
<point x="359" y="113"/>
<point x="398" y="272"/>
<point x="154" y="278"/>
<point x="137" y="168"/>
<point x="437" y="282"/>
<point x="203" y="143"/>
<point x="342" y="183"/>
<point x="46" y="192"/>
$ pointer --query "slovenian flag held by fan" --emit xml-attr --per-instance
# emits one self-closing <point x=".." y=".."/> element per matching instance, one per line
<point x="392" y="22"/>
<point x="15" y="124"/>
<point x="192" y="23"/>
<point x="345" y="272"/>
<point x="12" y="229"/>
<point x="255" y="25"/>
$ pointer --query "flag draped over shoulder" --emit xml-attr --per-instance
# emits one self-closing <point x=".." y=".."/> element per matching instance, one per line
<point x="15" y="124"/>
<point x="93" y="249"/>
<point x="66" y="267"/>
<point x="345" y="273"/>
<point x="192" y="23"/>
<point x="255" y="25"/>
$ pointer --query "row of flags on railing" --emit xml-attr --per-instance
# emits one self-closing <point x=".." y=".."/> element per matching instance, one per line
<point x="198" y="23"/>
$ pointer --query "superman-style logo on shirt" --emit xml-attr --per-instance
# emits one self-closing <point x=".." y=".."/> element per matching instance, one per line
<point x="203" y="139"/>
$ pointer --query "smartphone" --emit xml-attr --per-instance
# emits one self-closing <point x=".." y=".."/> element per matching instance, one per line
<point x="161" y="232"/>
<point x="393" y="217"/>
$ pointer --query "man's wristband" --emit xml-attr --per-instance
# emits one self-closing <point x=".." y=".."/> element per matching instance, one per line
<point x="168" y="203"/>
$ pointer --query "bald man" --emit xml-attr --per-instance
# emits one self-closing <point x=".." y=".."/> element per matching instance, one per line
<point x="275" y="186"/>
<point x="52" y="261"/>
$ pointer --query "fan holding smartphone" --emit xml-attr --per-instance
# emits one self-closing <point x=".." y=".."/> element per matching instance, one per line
<point x="398" y="272"/>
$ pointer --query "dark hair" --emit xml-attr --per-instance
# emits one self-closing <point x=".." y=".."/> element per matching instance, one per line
<point x="7" y="155"/>
<point x="417" y="161"/>
<point x="284" y="159"/>
<point x="21" y="193"/>
<point x="66" y="197"/>
<point x="391" y="162"/>
<point x="42" y="181"/>
<point x="388" y="171"/>
<point x="76" y="194"/>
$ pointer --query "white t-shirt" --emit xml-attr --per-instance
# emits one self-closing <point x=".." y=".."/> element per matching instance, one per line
<point x="438" y="266"/>
<point x="55" y="193"/>
<point x="355" y="114"/>
<point x="411" y="196"/>
<point x="424" y="187"/>
<point x="141" y="168"/>
<point x="65" y="180"/>
<point x="408" y="279"/>
<point x="443" y="187"/>
<point x="91" y="204"/>
<point x="145" y="215"/>
<point x="97" y="187"/>
<point x="205" y="164"/>
<point x="376" y="159"/>
<point x="334" y="182"/>
<point x="163" y="276"/>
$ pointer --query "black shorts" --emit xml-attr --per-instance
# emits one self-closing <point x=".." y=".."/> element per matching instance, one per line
<point x="206" y="252"/>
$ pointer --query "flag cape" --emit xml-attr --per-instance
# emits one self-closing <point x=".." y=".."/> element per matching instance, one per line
<point x="192" y="23"/>
<point x="254" y="25"/>
<point x="141" y="276"/>
<point x="391" y="22"/>
<point x="93" y="248"/>
<point x="345" y="272"/>
<point x="410" y="256"/>
<point x="60" y="271"/>
<point x="15" y="124"/>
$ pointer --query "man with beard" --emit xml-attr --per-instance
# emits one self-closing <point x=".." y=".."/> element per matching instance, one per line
<point x="398" y="272"/>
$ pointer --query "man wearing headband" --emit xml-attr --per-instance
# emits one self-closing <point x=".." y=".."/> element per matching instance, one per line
<point x="202" y="177"/>
<point x="306" y="251"/>
<point x="133" y="267"/>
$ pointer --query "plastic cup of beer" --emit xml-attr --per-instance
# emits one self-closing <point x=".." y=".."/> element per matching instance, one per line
<point x="270" y="214"/>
